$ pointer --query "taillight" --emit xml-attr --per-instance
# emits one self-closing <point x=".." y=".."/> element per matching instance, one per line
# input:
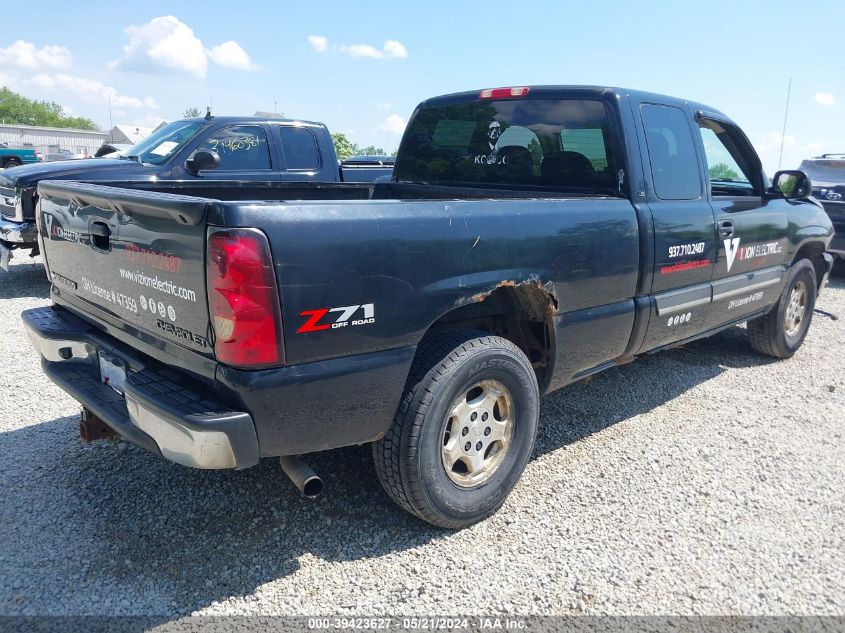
<point x="504" y="93"/>
<point x="243" y="300"/>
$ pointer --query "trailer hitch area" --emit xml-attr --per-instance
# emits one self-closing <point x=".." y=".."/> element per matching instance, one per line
<point x="92" y="428"/>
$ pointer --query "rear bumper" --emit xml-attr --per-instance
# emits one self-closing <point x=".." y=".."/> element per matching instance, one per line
<point x="21" y="234"/>
<point x="828" y="267"/>
<point x="272" y="412"/>
<point x="161" y="410"/>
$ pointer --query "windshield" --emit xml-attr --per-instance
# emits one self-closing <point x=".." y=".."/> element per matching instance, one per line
<point x="825" y="171"/>
<point x="535" y="143"/>
<point x="164" y="142"/>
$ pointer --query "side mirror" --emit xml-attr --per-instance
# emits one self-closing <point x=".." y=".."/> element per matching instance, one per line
<point x="791" y="184"/>
<point x="201" y="160"/>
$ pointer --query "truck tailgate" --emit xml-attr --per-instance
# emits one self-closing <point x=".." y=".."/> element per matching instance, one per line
<point x="137" y="255"/>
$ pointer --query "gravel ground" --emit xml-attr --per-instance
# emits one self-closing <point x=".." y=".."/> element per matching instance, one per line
<point x="705" y="480"/>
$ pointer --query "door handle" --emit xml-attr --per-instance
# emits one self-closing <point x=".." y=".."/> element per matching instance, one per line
<point x="726" y="228"/>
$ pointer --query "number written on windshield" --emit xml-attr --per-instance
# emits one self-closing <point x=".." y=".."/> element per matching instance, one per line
<point x="233" y="144"/>
<point x="240" y="147"/>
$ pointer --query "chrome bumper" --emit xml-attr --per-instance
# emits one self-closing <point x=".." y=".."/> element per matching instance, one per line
<point x="175" y="417"/>
<point x="23" y="234"/>
<point x="828" y="267"/>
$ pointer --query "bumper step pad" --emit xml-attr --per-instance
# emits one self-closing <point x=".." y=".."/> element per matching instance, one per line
<point x="182" y="420"/>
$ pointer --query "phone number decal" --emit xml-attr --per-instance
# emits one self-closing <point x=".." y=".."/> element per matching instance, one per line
<point x="696" y="248"/>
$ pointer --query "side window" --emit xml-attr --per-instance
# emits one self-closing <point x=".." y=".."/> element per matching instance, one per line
<point x="728" y="166"/>
<point x="671" y="150"/>
<point x="300" y="148"/>
<point x="240" y="148"/>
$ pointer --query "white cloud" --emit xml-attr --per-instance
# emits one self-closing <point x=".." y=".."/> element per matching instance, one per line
<point x="392" y="49"/>
<point x="90" y="89"/>
<point x="384" y="105"/>
<point x="231" y="55"/>
<point x="394" y="124"/>
<point x="318" y="43"/>
<point x="168" y="43"/>
<point x="825" y="98"/>
<point x="164" y="42"/>
<point x="61" y="85"/>
<point x="26" y="55"/>
<point x="361" y="50"/>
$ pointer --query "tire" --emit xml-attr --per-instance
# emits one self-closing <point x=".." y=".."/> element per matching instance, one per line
<point x="481" y="387"/>
<point x="782" y="330"/>
<point x="11" y="162"/>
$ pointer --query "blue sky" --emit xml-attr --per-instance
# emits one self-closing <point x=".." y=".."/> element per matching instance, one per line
<point x="361" y="67"/>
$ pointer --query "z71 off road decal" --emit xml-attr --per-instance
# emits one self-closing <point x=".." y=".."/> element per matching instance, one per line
<point x="322" y="318"/>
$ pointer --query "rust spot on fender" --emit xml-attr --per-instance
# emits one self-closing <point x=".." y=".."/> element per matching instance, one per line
<point x="537" y="296"/>
<point x="481" y="296"/>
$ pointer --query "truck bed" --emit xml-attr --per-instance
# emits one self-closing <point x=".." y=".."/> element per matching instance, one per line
<point x="381" y="262"/>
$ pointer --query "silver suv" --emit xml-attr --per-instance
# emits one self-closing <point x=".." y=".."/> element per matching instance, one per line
<point x="827" y="172"/>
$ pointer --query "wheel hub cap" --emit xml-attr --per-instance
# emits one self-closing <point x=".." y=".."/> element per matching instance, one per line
<point x="796" y="308"/>
<point x="477" y="433"/>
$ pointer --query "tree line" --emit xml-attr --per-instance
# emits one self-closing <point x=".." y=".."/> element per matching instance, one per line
<point x="344" y="148"/>
<point x="18" y="110"/>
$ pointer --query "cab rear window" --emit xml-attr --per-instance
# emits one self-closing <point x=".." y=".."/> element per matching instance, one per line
<point x="564" y="144"/>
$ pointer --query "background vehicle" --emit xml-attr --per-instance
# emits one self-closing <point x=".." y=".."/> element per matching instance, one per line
<point x="61" y="154"/>
<point x="368" y="168"/>
<point x="531" y="237"/>
<point x="827" y="173"/>
<point x="116" y="149"/>
<point x="219" y="148"/>
<point x="14" y="156"/>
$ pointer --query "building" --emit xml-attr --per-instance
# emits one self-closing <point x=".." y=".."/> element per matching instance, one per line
<point x="51" y="139"/>
<point x="128" y="134"/>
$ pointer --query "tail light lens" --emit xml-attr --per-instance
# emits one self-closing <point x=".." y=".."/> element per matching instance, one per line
<point x="243" y="300"/>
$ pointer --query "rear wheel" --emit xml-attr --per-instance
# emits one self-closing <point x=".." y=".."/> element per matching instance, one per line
<point x="464" y="430"/>
<point x="782" y="330"/>
<point x="11" y="162"/>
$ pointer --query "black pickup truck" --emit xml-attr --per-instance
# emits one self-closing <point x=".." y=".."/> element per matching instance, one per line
<point x="218" y="148"/>
<point x="530" y="237"/>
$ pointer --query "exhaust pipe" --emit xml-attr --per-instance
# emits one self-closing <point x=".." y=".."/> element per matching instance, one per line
<point x="302" y="476"/>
